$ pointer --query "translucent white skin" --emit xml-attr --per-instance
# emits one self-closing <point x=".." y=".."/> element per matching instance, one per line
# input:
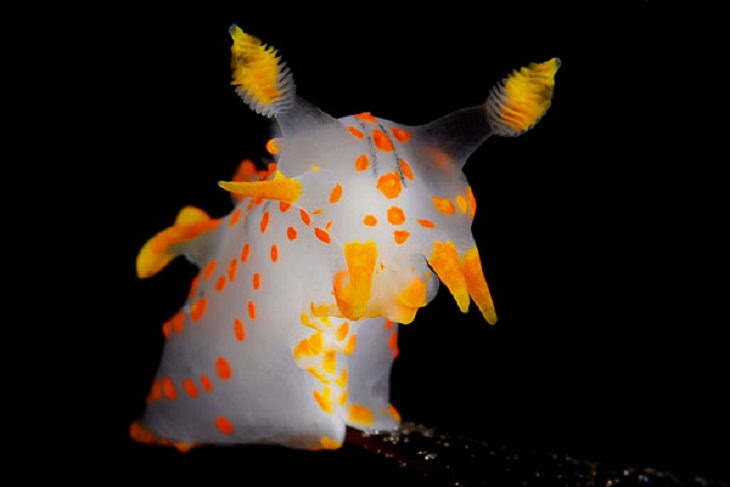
<point x="290" y="329"/>
<point x="269" y="397"/>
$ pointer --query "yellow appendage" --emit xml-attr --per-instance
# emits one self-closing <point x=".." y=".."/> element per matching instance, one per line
<point x="255" y="67"/>
<point x="280" y="188"/>
<point x="526" y="94"/>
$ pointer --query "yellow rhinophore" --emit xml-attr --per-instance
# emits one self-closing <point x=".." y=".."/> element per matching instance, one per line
<point x="517" y="103"/>
<point x="262" y="79"/>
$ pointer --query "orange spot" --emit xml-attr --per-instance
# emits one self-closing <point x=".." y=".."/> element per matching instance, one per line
<point x="256" y="281"/>
<point x="168" y="389"/>
<point x="366" y="117"/>
<point x="220" y="283"/>
<point x="222" y="368"/>
<point x="342" y="379"/>
<point x="235" y="216"/>
<point x="382" y="142"/>
<point x="309" y="347"/>
<point x="461" y="203"/>
<point x="370" y="220"/>
<point x="246" y="171"/>
<point x="443" y="205"/>
<point x="305" y="217"/>
<point x="342" y="331"/>
<point x="239" y="330"/>
<point x="472" y="201"/>
<point x="321" y="234"/>
<point x="328" y="443"/>
<point x="274" y="253"/>
<point x="138" y="433"/>
<point x="405" y="168"/>
<point x="414" y="295"/>
<point x="245" y="251"/>
<point x="351" y="344"/>
<point x="232" y="267"/>
<point x="426" y="223"/>
<point x="252" y="310"/>
<point x="284" y="206"/>
<point x="343" y="397"/>
<point x="393" y="343"/>
<point x="205" y="382"/>
<point x="389" y="185"/>
<point x="360" y="414"/>
<point x="223" y="425"/>
<point x="178" y="321"/>
<point x="401" y="236"/>
<point x="329" y="362"/>
<point x="336" y="193"/>
<point x="396" y="215"/>
<point x="155" y="390"/>
<point x="190" y="388"/>
<point x="197" y="309"/>
<point x="318" y="211"/>
<point x="167" y="328"/>
<point x="194" y="286"/>
<point x="328" y="226"/>
<point x="272" y="147"/>
<point x="355" y="132"/>
<point x="302" y="349"/>
<point x="209" y="269"/>
<point x="264" y="221"/>
<point x="401" y="135"/>
<point x="318" y="375"/>
<point x="323" y="399"/>
<point x="291" y="233"/>
<point x="362" y="162"/>
<point x="394" y="413"/>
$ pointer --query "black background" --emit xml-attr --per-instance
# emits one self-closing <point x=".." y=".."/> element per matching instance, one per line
<point x="606" y="348"/>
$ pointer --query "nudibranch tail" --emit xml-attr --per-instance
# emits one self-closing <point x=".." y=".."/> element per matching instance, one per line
<point x="158" y="251"/>
<point x="518" y="102"/>
<point x="264" y="82"/>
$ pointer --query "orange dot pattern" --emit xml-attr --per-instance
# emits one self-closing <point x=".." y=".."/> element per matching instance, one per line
<point x="318" y="354"/>
<point x="329" y="340"/>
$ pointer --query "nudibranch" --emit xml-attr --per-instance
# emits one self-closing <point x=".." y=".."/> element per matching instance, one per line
<point x="290" y="328"/>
